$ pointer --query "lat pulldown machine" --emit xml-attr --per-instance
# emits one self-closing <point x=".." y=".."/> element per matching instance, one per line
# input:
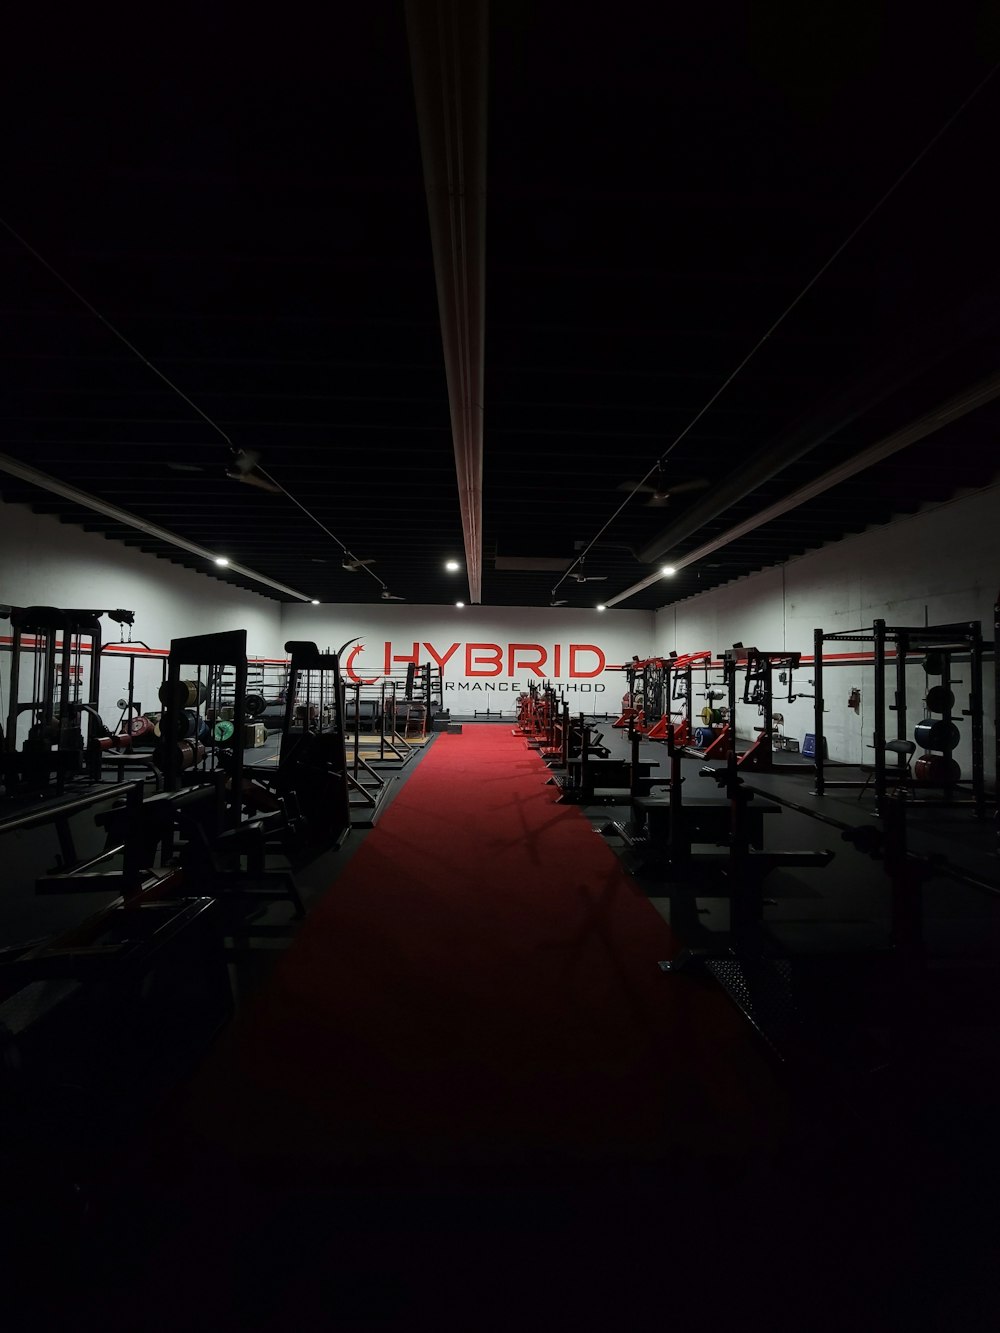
<point x="64" y="724"/>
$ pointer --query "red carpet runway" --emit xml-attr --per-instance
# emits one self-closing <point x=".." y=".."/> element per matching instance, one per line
<point x="482" y="981"/>
<point x="466" y="1071"/>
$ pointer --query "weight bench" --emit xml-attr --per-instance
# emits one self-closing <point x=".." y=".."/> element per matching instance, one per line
<point x="585" y="777"/>
<point x="706" y="819"/>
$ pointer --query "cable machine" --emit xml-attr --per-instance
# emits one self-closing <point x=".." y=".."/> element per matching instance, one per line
<point x="63" y="720"/>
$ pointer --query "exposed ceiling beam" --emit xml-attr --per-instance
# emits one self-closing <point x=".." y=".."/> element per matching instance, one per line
<point x="927" y="346"/>
<point x="985" y="391"/>
<point x="448" y="42"/>
<point x="44" y="482"/>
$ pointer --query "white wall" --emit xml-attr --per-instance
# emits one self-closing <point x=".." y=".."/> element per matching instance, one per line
<point x="944" y="561"/>
<point x="942" y="564"/>
<point x="47" y="563"/>
<point x="489" y="653"/>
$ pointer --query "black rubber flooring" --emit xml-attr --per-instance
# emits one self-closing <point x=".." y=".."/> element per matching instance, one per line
<point x="898" y="1087"/>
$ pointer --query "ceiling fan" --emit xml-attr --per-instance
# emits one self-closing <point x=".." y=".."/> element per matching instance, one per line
<point x="387" y="596"/>
<point x="352" y="565"/>
<point x="242" y="466"/>
<point x="578" y="576"/>
<point x="660" y="488"/>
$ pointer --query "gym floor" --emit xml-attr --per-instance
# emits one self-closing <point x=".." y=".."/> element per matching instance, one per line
<point x="930" y="1099"/>
<point x="841" y="909"/>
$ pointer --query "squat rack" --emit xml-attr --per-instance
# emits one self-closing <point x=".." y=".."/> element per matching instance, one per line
<point x="758" y="667"/>
<point x="943" y="640"/>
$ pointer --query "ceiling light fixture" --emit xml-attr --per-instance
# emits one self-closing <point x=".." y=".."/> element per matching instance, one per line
<point x="222" y="559"/>
<point x="452" y="566"/>
<point x="601" y="606"/>
<point x="668" y="571"/>
<point x="314" y="602"/>
<point x="460" y="605"/>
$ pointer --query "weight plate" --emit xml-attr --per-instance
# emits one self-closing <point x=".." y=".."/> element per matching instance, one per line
<point x="940" y="699"/>
<point x="936" y="735"/>
<point x="187" y="723"/>
<point x="254" y="704"/>
<point x="186" y="693"/>
<point x="937" y="768"/>
<point x="222" y="732"/>
<point x="189" y="754"/>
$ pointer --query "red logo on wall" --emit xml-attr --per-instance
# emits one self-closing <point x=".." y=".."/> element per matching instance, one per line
<point x="580" y="660"/>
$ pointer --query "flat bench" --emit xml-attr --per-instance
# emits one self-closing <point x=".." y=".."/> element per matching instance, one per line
<point x="707" y="819"/>
<point x="585" y="779"/>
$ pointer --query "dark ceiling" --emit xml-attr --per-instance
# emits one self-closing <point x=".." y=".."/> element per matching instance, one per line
<point x="244" y="202"/>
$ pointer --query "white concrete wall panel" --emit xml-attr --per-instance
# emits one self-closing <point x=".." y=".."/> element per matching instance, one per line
<point x="943" y="563"/>
<point x="47" y="563"/>
<point x="939" y="566"/>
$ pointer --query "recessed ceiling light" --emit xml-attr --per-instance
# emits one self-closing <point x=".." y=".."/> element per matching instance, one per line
<point x="452" y="565"/>
<point x="668" y="570"/>
<point x="601" y="606"/>
<point x="459" y="605"/>
<point x="314" y="602"/>
<point x="222" y="559"/>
